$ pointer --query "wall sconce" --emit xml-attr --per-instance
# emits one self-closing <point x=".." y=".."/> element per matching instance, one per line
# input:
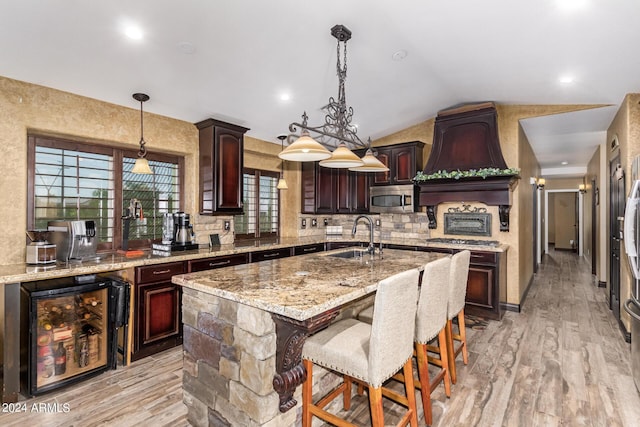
<point x="582" y="188"/>
<point x="541" y="182"/>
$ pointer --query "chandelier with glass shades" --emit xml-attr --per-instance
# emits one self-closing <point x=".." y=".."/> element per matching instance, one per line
<point x="337" y="132"/>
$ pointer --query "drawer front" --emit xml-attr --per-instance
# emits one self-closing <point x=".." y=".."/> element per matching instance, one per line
<point x="483" y="257"/>
<point x="308" y="249"/>
<point x="158" y="273"/>
<point x="436" y="250"/>
<point x="271" y="254"/>
<point x="217" y="262"/>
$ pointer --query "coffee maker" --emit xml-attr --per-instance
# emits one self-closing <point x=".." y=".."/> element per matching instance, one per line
<point x="177" y="231"/>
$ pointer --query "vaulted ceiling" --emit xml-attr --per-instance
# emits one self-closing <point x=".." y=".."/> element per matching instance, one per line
<point x="260" y="64"/>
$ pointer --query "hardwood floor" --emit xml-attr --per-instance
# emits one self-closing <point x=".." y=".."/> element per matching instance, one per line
<point x="561" y="361"/>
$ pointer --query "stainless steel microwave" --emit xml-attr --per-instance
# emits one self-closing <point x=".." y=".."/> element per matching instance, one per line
<point x="393" y="199"/>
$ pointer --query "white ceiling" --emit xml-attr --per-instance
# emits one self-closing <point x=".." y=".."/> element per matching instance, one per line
<point x="233" y="59"/>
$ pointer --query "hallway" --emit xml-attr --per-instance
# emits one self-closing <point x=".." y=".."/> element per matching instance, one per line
<point x="561" y="361"/>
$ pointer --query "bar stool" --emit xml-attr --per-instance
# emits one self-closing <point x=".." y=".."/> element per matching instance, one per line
<point x="368" y="353"/>
<point x="457" y="294"/>
<point x="431" y="321"/>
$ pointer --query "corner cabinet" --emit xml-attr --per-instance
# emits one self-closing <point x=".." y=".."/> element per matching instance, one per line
<point x="158" y="309"/>
<point x="403" y="160"/>
<point x="331" y="191"/>
<point x="221" y="162"/>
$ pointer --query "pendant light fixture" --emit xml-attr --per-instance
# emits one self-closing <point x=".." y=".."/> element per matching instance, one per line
<point x="142" y="164"/>
<point x="282" y="184"/>
<point x="337" y="130"/>
<point x="371" y="163"/>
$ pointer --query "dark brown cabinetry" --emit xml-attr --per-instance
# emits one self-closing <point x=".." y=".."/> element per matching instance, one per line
<point x="270" y="254"/>
<point x="216" y="262"/>
<point x="220" y="161"/>
<point x="158" y="309"/>
<point x="487" y="283"/>
<point x="329" y="191"/>
<point x="403" y="160"/>
<point x="308" y="249"/>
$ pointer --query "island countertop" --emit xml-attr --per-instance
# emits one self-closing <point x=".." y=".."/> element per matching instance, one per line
<point x="304" y="286"/>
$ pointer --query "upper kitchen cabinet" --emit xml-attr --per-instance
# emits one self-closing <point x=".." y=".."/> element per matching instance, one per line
<point x="221" y="162"/>
<point x="403" y="160"/>
<point x="330" y="191"/>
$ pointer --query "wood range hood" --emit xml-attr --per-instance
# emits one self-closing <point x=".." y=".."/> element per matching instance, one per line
<point x="465" y="137"/>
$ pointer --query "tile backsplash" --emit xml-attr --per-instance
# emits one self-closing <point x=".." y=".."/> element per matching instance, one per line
<point x="392" y="226"/>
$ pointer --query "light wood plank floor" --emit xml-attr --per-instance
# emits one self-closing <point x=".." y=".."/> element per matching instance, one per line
<point x="562" y="361"/>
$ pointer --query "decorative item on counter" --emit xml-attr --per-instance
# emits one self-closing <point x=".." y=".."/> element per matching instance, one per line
<point x="133" y="212"/>
<point x="40" y="251"/>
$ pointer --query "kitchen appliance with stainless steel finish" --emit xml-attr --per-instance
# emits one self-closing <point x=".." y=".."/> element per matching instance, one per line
<point x="393" y="199"/>
<point x="183" y="235"/>
<point x="74" y="240"/>
<point x="632" y="248"/>
<point x="40" y="251"/>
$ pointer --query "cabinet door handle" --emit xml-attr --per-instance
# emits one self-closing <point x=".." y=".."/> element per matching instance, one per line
<point x="476" y="256"/>
<point x="216" y="264"/>
<point x="271" y="255"/>
<point x="308" y="249"/>
<point x="162" y="271"/>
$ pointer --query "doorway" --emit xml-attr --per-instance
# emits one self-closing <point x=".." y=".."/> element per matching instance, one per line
<point x="568" y="208"/>
<point x="616" y="211"/>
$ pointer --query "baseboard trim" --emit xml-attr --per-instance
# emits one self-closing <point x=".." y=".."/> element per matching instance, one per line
<point x="626" y="334"/>
<point x="510" y="307"/>
<point x="602" y="284"/>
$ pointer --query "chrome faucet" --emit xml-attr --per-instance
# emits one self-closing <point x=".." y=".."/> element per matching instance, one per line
<point x="371" y="249"/>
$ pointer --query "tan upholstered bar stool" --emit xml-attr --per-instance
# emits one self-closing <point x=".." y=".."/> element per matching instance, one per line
<point x="368" y="353"/>
<point x="457" y="294"/>
<point x="431" y="322"/>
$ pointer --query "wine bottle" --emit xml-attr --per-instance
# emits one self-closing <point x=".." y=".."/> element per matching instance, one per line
<point x="60" y="360"/>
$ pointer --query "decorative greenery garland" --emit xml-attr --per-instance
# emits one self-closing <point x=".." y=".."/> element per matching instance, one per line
<point x="471" y="173"/>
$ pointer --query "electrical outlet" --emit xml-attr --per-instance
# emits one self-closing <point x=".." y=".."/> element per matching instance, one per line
<point x="227" y="225"/>
<point x="326" y="221"/>
<point x="304" y="223"/>
<point x="377" y="222"/>
<point x="314" y="222"/>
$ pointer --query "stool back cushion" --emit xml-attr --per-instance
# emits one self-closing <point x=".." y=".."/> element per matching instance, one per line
<point x="393" y="327"/>
<point x="433" y="300"/>
<point x="458" y="282"/>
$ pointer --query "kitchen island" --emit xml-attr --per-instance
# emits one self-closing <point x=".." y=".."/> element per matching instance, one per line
<point x="244" y="328"/>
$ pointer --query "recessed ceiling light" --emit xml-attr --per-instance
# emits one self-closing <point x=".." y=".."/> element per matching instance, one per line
<point x="133" y="32"/>
<point x="285" y="97"/>
<point x="399" y="55"/>
<point x="564" y="163"/>
<point x="566" y="79"/>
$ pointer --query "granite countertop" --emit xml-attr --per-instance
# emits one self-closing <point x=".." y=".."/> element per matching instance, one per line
<point x="307" y="285"/>
<point x="104" y="263"/>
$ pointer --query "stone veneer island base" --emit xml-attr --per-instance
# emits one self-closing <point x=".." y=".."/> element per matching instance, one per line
<point x="244" y="328"/>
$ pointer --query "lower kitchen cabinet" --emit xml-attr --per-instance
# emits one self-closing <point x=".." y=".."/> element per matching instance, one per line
<point x="158" y="309"/>
<point x="487" y="282"/>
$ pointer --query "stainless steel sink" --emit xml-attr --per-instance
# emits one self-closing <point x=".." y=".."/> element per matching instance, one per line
<point x="349" y="253"/>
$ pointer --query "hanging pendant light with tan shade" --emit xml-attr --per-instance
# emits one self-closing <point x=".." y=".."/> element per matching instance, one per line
<point x="371" y="164"/>
<point x="141" y="165"/>
<point x="342" y="157"/>
<point x="305" y="148"/>
<point x="282" y="184"/>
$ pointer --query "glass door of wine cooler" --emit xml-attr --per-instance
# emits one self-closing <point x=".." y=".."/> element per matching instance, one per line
<point x="69" y="334"/>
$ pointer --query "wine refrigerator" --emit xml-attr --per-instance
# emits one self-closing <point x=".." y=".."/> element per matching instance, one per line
<point x="69" y="330"/>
